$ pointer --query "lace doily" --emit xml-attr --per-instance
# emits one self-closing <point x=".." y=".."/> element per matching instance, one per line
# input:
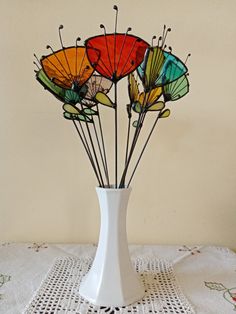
<point x="57" y="292"/>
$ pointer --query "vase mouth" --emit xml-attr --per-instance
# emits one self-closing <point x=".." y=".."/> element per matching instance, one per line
<point x="112" y="187"/>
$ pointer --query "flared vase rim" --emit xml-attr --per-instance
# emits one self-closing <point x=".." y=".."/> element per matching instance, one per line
<point x="112" y="188"/>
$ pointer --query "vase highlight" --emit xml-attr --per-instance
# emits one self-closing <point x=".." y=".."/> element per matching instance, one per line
<point x="112" y="280"/>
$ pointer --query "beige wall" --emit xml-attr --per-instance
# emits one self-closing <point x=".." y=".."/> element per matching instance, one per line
<point x="184" y="191"/>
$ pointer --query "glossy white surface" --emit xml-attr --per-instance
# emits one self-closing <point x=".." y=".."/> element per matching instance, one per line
<point x="112" y="281"/>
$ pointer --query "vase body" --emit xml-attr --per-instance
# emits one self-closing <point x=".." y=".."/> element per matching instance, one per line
<point x="112" y="280"/>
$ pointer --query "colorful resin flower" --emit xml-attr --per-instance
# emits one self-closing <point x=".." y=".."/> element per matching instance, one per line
<point x="144" y="101"/>
<point x="65" y="95"/>
<point x="160" y="67"/>
<point x="120" y="54"/>
<point x="176" y="89"/>
<point x="96" y="84"/>
<point x="69" y="67"/>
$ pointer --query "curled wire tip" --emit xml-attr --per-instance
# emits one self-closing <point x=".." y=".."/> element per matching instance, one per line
<point x="189" y="55"/>
<point x="153" y="38"/>
<point x="78" y="39"/>
<point x="36" y="66"/>
<point x="129" y="29"/>
<point x="102" y="26"/>
<point x="61" y="26"/>
<point x="115" y="7"/>
<point x="48" y="47"/>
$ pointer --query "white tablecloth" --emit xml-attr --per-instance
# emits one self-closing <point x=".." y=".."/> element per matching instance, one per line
<point x="206" y="275"/>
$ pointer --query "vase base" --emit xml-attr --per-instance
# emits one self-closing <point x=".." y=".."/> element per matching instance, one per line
<point x="135" y="295"/>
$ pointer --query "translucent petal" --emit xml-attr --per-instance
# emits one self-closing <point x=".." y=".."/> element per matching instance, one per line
<point x="72" y="97"/>
<point x="146" y="99"/>
<point x="71" y="109"/>
<point x="57" y="91"/>
<point x="137" y="107"/>
<point x="165" y="113"/>
<point x="90" y="111"/>
<point x="135" y="124"/>
<point x="104" y="99"/>
<point x="80" y="117"/>
<point x="97" y="83"/>
<point x="160" y="68"/>
<point x="156" y="106"/>
<point x="120" y="54"/>
<point x="154" y="95"/>
<point x="150" y="68"/>
<point x="69" y="66"/>
<point x="65" y="95"/>
<point x="173" y="68"/>
<point x="176" y="89"/>
<point x="133" y="88"/>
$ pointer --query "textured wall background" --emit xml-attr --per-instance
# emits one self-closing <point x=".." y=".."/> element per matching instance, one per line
<point x="184" y="191"/>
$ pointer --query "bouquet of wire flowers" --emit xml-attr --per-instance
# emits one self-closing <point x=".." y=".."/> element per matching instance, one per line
<point x="82" y="76"/>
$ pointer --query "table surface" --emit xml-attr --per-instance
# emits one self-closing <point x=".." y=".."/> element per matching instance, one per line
<point x="206" y="274"/>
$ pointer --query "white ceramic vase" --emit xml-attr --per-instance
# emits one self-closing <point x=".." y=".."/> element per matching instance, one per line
<point x="112" y="280"/>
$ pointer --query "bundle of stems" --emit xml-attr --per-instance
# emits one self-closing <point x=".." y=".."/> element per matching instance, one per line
<point x="92" y="138"/>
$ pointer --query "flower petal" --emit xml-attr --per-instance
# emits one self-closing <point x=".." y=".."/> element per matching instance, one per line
<point x="57" y="91"/>
<point x="71" y="109"/>
<point x="165" y="113"/>
<point x="68" y="66"/>
<point x="95" y="84"/>
<point x="151" y="67"/>
<point x="81" y="117"/>
<point x="120" y="54"/>
<point x="176" y="89"/>
<point x="160" y="68"/>
<point x="156" y="106"/>
<point x="133" y="88"/>
<point x="104" y="99"/>
<point x="153" y="95"/>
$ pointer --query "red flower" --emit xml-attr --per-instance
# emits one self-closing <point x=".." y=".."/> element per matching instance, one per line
<point x="120" y="54"/>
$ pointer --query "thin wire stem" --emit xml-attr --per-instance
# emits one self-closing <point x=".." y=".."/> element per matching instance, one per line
<point x="136" y="133"/>
<point x="103" y="144"/>
<point x="144" y="147"/>
<point x="85" y="139"/>
<point x="135" y="139"/>
<point x="94" y="151"/>
<point x="127" y="144"/>
<point x="100" y="150"/>
<point x="86" y="149"/>
<point x="116" y="137"/>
